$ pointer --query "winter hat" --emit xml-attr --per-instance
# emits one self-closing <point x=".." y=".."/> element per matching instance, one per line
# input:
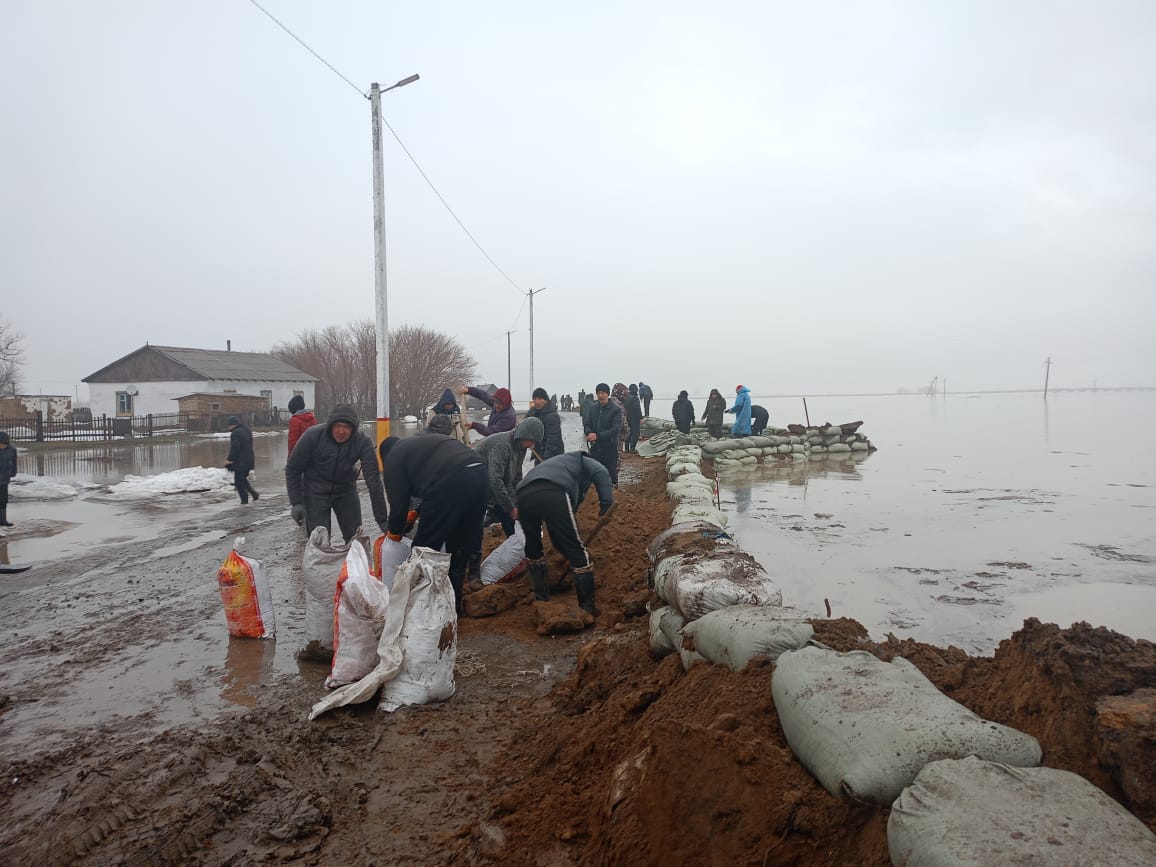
<point x="602" y="386"/>
<point x="232" y="420"/>
<point x="530" y="428"/>
<point x="441" y="424"/>
<point x="541" y="392"/>
<point x="296" y="403"/>
<point x="503" y="395"/>
<point x="633" y="388"/>
<point x="4" y="438"/>
<point x="682" y="395"/>
<point x="384" y="449"/>
<point x="739" y="387"/>
<point x="346" y="413"/>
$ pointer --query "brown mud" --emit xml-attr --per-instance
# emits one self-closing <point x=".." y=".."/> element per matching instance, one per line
<point x="574" y="749"/>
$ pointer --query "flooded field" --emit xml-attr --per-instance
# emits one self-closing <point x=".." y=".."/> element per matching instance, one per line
<point x="975" y="512"/>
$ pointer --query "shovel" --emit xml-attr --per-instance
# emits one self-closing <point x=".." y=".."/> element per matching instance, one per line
<point x="560" y="559"/>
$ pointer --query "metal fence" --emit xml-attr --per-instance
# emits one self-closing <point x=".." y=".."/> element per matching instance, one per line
<point x="104" y="428"/>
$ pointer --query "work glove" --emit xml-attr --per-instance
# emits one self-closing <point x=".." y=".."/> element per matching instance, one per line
<point x="297" y="513"/>
<point x="393" y="537"/>
<point x="410" y="519"/>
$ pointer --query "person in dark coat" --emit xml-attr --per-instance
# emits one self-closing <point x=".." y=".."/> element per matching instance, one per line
<point x="301" y="421"/>
<point x="551" y="493"/>
<point x="618" y="398"/>
<point x="683" y="412"/>
<point x="453" y="484"/>
<point x="603" y="425"/>
<point x="646" y="393"/>
<point x="447" y="408"/>
<point x="448" y="405"/>
<point x="321" y="474"/>
<point x="7" y="473"/>
<point x="504" y="454"/>
<point x="633" y="419"/>
<point x="759" y="419"/>
<point x="241" y="459"/>
<point x="713" y="415"/>
<point x="502" y="418"/>
<point x="546" y="412"/>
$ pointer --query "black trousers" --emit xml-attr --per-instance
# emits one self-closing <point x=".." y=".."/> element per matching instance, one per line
<point x="241" y="483"/>
<point x="632" y="436"/>
<point x="501" y="516"/>
<point x="543" y="502"/>
<point x="346" y="506"/>
<point x="451" y="517"/>
<point x="3" y="496"/>
<point x="607" y="455"/>
<point x="646" y="406"/>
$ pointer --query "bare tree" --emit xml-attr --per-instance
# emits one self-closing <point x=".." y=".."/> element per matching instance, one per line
<point x="422" y="363"/>
<point x="11" y="358"/>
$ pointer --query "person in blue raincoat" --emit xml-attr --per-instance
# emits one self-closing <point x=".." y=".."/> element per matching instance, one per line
<point x="742" y="410"/>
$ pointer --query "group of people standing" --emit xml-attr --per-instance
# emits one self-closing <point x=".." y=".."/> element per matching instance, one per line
<point x="750" y="419"/>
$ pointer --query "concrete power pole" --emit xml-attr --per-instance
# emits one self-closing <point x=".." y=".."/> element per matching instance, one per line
<point x="379" y="287"/>
<point x="509" y="367"/>
<point x="532" y="293"/>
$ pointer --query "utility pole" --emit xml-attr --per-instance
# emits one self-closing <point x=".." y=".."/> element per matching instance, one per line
<point x="1047" y="375"/>
<point x="381" y="308"/>
<point x="532" y="293"/>
<point x="509" y="368"/>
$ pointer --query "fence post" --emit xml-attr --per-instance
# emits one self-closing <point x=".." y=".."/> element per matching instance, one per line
<point x="104" y="425"/>
<point x="39" y="426"/>
<point x="150" y="428"/>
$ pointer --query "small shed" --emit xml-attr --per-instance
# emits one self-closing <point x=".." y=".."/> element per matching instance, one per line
<point x="212" y="408"/>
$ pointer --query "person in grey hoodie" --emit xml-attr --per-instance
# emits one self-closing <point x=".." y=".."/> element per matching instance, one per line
<point x="504" y="454"/>
<point x="321" y="474"/>
<point x="551" y="493"/>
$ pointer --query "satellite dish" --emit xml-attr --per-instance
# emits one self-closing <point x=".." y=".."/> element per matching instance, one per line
<point x="131" y="390"/>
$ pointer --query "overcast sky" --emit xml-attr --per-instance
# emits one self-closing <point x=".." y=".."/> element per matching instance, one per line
<point x="803" y="197"/>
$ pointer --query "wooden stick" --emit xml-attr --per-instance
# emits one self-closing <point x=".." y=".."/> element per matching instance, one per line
<point x="805" y="413"/>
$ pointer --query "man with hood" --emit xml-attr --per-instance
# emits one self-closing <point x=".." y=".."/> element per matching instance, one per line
<point x="321" y="474"/>
<point x="713" y="414"/>
<point x="742" y="410"/>
<point x="502" y="418"/>
<point x="647" y="394"/>
<point x="603" y="424"/>
<point x="633" y="419"/>
<point x="7" y="473"/>
<point x="546" y="412"/>
<point x="551" y="493"/>
<point x="301" y="420"/>
<point x="241" y="459"/>
<point x="448" y="408"/>
<point x="453" y="484"/>
<point x="504" y="454"/>
<point x="683" y="412"/>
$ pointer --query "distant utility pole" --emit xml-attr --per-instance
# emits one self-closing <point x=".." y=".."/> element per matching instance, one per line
<point x="1047" y="375"/>
<point x="532" y="293"/>
<point x="509" y="378"/>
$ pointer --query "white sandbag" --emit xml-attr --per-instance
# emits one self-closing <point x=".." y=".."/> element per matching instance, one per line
<point x="735" y="635"/>
<point x="387" y="556"/>
<point x="866" y="728"/>
<point x="973" y="812"/>
<point x="696" y="512"/>
<point x="506" y="558"/>
<point x="690" y="657"/>
<point x="320" y="567"/>
<point x="362" y="605"/>
<point x="661" y="544"/>
<point x="665" y="622"/>
<point x="681" y="468"/>
<point x="697" y="584"/>
<point x="429" y="638"/>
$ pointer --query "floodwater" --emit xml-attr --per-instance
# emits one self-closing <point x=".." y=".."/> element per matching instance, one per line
<point x="976" y="512"/>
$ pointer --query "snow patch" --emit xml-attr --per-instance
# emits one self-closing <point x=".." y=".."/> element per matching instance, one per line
<point x="190" y="480"/>
<point x="38" y="489"/>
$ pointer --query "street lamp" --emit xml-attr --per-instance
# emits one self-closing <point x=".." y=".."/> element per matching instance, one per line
<point x="375" y="92"/>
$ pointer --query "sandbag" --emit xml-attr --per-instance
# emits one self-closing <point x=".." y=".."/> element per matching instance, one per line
<point x="673" y="471"/>
<point x="387" y="556"/>
<point x="735" y="635"/>
<point x="972" y="812"/>
<point x="507" y="561"/>
<point x="245" y="594"/>
<point x="696" y="584"/>
<point x="320" y="567"/>
<point x="360" y="609"/>
<point x="661" y="544"/>
<point x="665" y="622"/>
<point x="697" y="512"/>
<point x="866" y="728"/>
<point x="429" y="638"/>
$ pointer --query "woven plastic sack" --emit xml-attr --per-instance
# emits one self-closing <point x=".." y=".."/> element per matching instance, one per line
<point x="387" y="556"/>
<point x="320" y="567"/>
<point x="973" y="812"/>
<point x="508" y="560"/>
<point x="245" y="594"/>
<point x="865" y="728"/>
<point x="734" y="636"/>
<point x="698" y="584"/>
<point x="359" y="612"/>
<point x="665" y="622"/>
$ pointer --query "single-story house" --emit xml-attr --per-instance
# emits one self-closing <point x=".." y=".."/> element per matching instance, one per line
<point x="52" y="407"/>
<point x="148" y="380"/>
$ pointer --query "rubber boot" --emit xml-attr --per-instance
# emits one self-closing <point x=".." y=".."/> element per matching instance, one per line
<point x="4" y="522"/>
<point x="458" y="581"/>
<point x="584" y="587"/>
<point x="539" y="581"/>
<point x="474" y="568"/>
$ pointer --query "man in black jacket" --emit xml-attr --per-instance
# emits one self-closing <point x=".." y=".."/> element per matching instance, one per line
<point x="683" y="412"/>
<point x="552" y="493"/>
<point x="241" y="459"/>
<point x="546" y="412"/>
<point x="633" y="419"/>
<point x="603" y="424"/>
<point x="453" y="483"/>
<point x="759" y="419"/>
<point x="321" y="474"/>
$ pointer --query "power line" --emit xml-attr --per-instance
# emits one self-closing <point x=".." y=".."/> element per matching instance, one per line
<point x="397" y="138"/>
<point x="301" y="41"/>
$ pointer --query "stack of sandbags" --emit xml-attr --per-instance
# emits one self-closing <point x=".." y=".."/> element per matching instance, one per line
<point x="795" y="443"/>
<point x="690" y="489"/>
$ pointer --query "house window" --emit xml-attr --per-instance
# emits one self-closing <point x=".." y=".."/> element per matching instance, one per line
<point x="123" y="403"/>
<point x="214" y="407"/>
<point x="268" y="396"/>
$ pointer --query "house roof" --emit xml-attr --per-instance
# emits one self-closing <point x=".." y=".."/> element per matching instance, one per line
<point x="215" y="364"/>
<point x="228" y="395"/>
